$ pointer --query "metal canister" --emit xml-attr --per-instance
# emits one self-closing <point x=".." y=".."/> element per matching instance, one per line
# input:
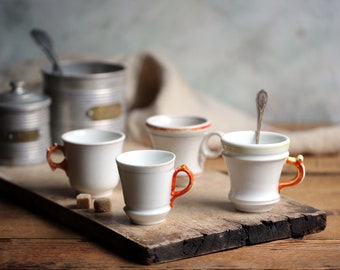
<point x="24" y="126"/>
<point x="86" y="95"/>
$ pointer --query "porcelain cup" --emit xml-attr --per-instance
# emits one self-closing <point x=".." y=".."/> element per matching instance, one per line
<point x="187" y="136"/>
<point x="148" y="179"/>
<point x="255" y="169"/>
<point x="89" y="159"/>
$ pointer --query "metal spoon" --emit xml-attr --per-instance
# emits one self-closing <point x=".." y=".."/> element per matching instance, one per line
<point x="43" y="40"/>
<point x="261" y="102"/>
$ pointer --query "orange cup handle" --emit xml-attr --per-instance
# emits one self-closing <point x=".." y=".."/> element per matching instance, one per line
<point x="174" y="193"/>
<point x="298" y="163"/>
<point x="62" y="165"/>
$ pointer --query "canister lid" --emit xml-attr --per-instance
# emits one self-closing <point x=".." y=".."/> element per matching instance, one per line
<point x="18" y="99"/>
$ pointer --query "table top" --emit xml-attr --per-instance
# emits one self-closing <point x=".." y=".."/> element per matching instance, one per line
<point x="28" y="240"/>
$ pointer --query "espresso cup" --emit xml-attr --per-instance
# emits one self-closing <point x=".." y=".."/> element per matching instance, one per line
<point x="148" y="181"/>
<point x="186" y="136"/>
<point x="255" y="169"/>
<point x="89" y="160"/>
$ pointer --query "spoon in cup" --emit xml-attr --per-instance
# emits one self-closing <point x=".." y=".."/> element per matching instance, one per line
<point x="261" y="102"/>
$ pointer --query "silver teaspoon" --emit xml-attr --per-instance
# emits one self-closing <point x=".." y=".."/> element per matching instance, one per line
<point x="261" y="102"/>
<point x="44" y="41"/>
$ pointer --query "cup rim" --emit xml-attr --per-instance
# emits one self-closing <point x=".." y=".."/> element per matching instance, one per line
<point x="199" y="123"/>
<point x="111" y="136"/>
<point x="125" y="159"/>
<point x="278" y="142"/>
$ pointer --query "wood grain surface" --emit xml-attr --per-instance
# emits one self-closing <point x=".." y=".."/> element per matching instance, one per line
<point x="29" y="240"/>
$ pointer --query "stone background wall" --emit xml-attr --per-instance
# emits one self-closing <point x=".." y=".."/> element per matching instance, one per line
<point x="229" y="49"/>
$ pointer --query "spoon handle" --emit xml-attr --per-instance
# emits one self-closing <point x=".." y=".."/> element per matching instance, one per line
<point x="44" y="41"/>
<point x="261" y="102"/>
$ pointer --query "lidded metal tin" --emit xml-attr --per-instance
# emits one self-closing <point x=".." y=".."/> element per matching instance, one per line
<point x="24" y="126"/>
<point x="86" y="95"/>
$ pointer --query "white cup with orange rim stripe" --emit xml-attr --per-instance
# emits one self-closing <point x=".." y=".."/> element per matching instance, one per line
<point x="187" y="136"/>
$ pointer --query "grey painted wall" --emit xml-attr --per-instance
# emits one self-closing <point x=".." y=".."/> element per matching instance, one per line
<point x="229" y="49"/>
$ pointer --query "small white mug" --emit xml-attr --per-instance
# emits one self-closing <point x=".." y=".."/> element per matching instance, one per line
<point x="187" y="136"/>
<point x="255" y="169"/>
<point x="148" y="181"/>
<point x="89" y="159"/>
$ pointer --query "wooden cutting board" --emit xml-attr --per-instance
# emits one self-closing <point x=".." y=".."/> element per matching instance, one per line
<point x="202" y="221"/>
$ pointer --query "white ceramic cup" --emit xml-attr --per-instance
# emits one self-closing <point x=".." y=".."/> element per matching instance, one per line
<point x="148" y="181"/>
<point x="255" y="169"/>
<point x="89" y="159"/>
<point x="187" y="136"/>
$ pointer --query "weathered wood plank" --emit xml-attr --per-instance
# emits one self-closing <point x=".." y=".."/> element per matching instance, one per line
<point x="202" y="222"/>
<point x="323" y="192"/>
<point x="59" y="254"/>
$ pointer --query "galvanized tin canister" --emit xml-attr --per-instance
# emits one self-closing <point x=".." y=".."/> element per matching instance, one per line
<point x="24" y="126"/>
<point x="86" y="95"/>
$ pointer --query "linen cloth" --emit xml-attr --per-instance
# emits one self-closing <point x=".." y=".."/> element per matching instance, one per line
<point x="155" y="87"/>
